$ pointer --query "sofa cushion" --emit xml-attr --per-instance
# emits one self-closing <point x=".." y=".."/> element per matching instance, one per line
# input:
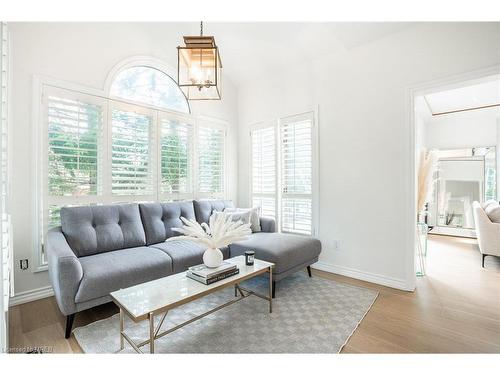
<point x="493" y="212"/>
<point x="160" y="218"/>
<point x="110" y="271"/>
<point x="185" y="254"/>
<point x="95" y="229"/>
<point x="284" y="250"/>
<point x="488" y="202"/>
<point x="204" y="209"/>
<point x="254" y="216"/>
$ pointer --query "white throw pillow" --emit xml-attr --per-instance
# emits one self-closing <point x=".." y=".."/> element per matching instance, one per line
<point x="244" y="217"/>
<point x="254" y="216"/>
<point x="487" y="203"/>
<point x="493" y="212"/>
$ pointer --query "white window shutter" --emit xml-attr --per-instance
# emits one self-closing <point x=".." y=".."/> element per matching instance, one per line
<point x="263" y="171"/>
<point x="132" y="152"/>
<point x="5" y="231"/>
<point x="74" y="156"/>
<point x="211" y="146"/>
<point x="74" y="133"/>
<point x="297" y="173"/>
<point x="176" y="143"/>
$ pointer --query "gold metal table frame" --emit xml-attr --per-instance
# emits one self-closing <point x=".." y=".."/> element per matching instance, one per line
<point x="154" y="333"/>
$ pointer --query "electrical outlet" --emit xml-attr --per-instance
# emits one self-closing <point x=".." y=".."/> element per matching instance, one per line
<point x="23" y="264"/>
<point x="336" y="245"/>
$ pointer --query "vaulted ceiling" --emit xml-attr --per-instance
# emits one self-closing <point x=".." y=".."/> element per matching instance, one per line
<point x="248" y="49"/>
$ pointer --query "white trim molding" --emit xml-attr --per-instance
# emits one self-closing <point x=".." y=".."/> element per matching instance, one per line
<point x="391" y="282"/>
<point x="31" y="295"/>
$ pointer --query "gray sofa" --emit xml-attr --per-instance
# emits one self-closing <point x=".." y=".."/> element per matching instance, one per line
<point x="100" y="249"/>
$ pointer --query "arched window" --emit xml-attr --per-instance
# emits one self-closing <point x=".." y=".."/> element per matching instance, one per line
<point x="148" y="85"/>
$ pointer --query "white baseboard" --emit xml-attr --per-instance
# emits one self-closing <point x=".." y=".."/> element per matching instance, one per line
<point x="31" y="295"/>
<point x="362" y="275"/>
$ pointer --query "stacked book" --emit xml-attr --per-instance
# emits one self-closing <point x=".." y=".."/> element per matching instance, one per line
<point x="207" y="275"/>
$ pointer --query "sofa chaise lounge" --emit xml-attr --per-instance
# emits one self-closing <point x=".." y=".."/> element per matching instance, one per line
<point x="100" y="249"/>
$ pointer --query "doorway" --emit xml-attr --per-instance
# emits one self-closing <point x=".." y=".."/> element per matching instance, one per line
<point x="457" y="130"/>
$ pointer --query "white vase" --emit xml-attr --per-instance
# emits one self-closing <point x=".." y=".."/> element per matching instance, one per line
<point x="212" y="258"/>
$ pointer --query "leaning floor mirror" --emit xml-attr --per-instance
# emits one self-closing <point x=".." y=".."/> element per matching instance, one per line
<point x="463" y="176"/>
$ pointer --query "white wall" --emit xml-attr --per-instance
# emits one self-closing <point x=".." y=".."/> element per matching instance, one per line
<point x="365" y="150"/>
<point x="83" y="54"/>
<point x="422" y="116"/>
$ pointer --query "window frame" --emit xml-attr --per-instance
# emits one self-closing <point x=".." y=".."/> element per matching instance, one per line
<point x="142" y="61"/>
<point x="311" y="114"/>
<point x="260" y="126"/>
<point x="40" y="167"/>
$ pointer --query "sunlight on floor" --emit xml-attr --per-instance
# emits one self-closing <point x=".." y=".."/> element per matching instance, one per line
<point x="454" y="264"/>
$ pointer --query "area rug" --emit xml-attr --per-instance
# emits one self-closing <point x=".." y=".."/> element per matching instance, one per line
<point x="310" y="315"/>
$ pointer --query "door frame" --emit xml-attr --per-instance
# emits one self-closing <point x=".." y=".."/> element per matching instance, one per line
<point x="440" y="84"/>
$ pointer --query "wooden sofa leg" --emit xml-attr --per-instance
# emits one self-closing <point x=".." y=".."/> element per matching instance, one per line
<point x="69" y="324"/>
<point x="274" y="289"/>
<point x="484" y="256"/>
<point x="309" y="271"/>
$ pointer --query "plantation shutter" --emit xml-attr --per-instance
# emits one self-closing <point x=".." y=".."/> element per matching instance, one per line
<point x="5" y="232"/>
<point x="74" y="137"/>
<point x="74" y="130"/>
<point x="132" y="152"/>
<point x="296" y="174"/>
<point x="264" y="170"/>
<point x="176" y="156"/>
<point x="211" y="144"/>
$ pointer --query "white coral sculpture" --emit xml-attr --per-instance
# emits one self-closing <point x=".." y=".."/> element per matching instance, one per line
<point x="220" y="232"/>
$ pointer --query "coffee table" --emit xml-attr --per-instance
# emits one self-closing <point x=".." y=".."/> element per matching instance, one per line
<point x="147" y="300"/>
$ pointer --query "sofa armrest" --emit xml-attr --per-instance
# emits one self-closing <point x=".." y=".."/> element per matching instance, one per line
<point x="267" y="224"/>
<point x="65" y="270"/>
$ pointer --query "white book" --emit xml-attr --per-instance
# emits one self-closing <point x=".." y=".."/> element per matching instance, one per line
<point x="206" y="272"/>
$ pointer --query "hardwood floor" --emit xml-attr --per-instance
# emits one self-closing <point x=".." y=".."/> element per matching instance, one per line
<point x="455" y="309"/>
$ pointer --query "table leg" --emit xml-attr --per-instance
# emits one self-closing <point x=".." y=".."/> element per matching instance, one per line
<point x="151" y="333"/>
<point x="270" y="289"/>
<point x="122" y="342"/>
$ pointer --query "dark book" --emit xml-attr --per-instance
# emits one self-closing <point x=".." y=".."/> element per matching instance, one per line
<point x="214" y="279"/>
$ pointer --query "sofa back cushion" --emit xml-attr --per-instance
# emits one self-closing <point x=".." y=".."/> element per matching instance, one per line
<point x="96" y="229"/>
<point x="160" y="218"/>
<point x="204" y="209"/>
<point x="493" y="212"/>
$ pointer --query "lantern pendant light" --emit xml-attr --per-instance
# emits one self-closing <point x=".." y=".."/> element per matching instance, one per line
<point x="199" y="69"/>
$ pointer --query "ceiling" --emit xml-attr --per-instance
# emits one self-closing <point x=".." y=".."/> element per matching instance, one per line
<point x="483" y="94"/>
<point x="248" y="49"/>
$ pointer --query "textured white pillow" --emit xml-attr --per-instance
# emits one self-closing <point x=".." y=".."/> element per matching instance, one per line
<point x="488" y="202"/>
<point x="254" y="216"/>
<point x="244" y="217"/>
<point x="493" y="212"/>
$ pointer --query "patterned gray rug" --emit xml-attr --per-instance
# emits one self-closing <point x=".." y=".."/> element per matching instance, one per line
<point x="310" y="315"/>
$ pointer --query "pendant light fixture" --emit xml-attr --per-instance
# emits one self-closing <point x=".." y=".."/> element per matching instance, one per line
<point x="199" y="69"/>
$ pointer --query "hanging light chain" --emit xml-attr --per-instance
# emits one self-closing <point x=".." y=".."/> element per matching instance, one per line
<point x="201" y="28"/>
